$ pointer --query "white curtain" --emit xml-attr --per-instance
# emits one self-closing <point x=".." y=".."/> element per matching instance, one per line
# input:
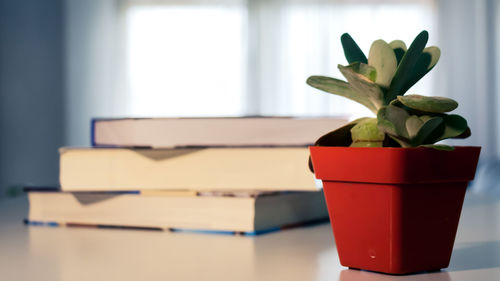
<point x="296" y="39"/>
<point x="289" y="40"/>
<point x="468" y="67"/>
<point x="469" y="73"/>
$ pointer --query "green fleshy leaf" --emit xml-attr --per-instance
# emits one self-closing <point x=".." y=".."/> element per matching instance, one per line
<point x="413" y="125"/>
<point x="425" y="118"/>
<point x="352" y="51"/>
<point x="398" y="44"/>
<point x="341" y="88"/>
<point x="428" y="104"/>
<point x="366" y="70"/>
<point x="384" y="60"/>
<point x="367" y="144"/>
<point x="386" y="125"/>
<point x="363" y="85"/>
<point x="392" y="120"/>
<point x="390" y="142"/>
<point x="429" y="132"/>
<point x="418" y="71"/>
<point x="396" y="102"/>
<point x="455" y="125"/>
<point x="399" y="53"/>
<point x="402" y="142"/>
<point x="338" y="137"/>
<point x="399" y="48"/>
<point x="410" y="111"/>
<point x="464" y="135"/>
<point x="366" y="131"/>
<point x="404" y="70"/>
<point x="438" y="147"/>
<point x="435" y="53"/>
<point x="426" y="61"/>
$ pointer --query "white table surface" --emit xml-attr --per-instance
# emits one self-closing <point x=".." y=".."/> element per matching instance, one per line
<point x="44" y="253"/>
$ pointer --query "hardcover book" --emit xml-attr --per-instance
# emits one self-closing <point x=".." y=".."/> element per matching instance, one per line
<point x="187" y="132"/>
<point x="230" y="168"/>
<point x="232" y="212"/>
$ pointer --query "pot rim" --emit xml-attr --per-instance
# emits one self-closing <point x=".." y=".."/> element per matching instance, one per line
<point x="398" y="148"/>
<point x="394" y="165"/>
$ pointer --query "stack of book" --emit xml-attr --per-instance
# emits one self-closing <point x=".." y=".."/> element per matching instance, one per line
<point x="236" y="175"/>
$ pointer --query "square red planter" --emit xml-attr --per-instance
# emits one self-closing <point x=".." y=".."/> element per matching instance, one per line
<point x="394" y="210"/>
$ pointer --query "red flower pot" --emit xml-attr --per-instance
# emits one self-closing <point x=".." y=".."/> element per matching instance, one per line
<point x="394" y="210"/>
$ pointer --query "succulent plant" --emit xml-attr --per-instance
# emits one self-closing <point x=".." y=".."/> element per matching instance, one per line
<point x="379" y="82"/>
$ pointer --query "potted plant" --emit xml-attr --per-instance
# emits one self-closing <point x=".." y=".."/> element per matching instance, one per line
<point x="394" y="196"/>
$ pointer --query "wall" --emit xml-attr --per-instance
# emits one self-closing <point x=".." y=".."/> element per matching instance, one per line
<point x="31" y="91"/>
<point x="93" y="66"/>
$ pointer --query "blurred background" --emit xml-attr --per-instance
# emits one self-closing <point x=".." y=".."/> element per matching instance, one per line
<point x="63" y="62"/>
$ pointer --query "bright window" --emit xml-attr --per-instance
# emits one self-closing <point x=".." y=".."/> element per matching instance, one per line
<point x="186" y="60"/>
<point x="212" y="58"/>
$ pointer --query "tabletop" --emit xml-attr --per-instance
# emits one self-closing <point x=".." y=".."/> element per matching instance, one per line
<point x="309" y="253"/>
